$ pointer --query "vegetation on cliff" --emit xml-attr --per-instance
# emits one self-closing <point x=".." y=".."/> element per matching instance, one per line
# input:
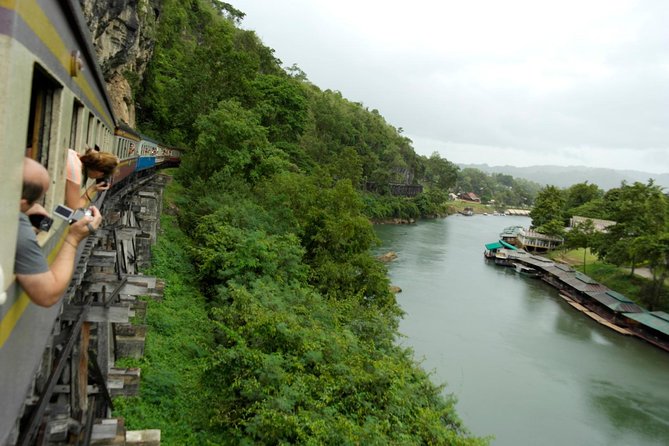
<point x="298" y="345"/>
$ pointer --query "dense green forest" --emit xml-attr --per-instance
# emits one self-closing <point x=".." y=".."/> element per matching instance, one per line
<point x="638" y="234"/>
<point x="277" y="326"/>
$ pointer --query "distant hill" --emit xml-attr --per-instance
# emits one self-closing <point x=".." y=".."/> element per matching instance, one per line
<point x="566" y="176"/>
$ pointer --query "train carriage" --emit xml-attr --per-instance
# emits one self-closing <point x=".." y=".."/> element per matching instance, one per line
<point x="148" y="151"/>
<point x="52" y="97"/>
<point x="126" y="143"/>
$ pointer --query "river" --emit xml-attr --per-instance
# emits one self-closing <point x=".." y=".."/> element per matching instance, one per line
<point x="524" y="366"/>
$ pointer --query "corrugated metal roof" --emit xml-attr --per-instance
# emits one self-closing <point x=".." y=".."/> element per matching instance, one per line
<point x="587" y="279"/>
<point x="579" y="285"/>
<point x="559" y="272"/>
<point x="541" y="259"/>
<point x="618" y="296"/>
<point x="564" y="267"/>
<point x="616" y="302"/>
<point x="657" y="320"/>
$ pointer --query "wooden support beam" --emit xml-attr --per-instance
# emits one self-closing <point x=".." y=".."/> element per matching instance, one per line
<point x="97" y="313"/>
<point x="149" y="437"/>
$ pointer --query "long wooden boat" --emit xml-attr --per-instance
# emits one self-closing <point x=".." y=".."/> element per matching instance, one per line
<point x="595" y="316"/>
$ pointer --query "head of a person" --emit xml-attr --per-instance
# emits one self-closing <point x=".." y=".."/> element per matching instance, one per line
<point x="98" y="164"/>
<point x="35" y="183"/>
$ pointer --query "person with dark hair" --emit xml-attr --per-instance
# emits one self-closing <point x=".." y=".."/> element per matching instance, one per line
<point x="43" y="283"/>
<point x="93" y="164"/>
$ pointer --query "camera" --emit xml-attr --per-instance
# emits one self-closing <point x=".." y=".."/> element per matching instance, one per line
<point x="104" y="180"/>
<point x="41" y="222"/>
<point x="71" y="215"/>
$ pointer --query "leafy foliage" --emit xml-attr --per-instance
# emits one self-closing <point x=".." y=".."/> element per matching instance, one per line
<point x="638" y="237"/>
<point x="547" y="214"/>
<point x="298" y="345"/>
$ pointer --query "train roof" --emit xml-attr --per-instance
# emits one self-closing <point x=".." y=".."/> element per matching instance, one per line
<point x="149" y="139"/>
<point x="123" y="129"/>
<point x="57" y="34"/>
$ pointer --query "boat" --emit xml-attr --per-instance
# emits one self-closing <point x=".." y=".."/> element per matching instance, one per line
<point x="491" y="249"/>
<point x="502" y="258"/>
<point x="527" y="271"/>
<point x="591" y="314"/>
<point x="468" y="212"/>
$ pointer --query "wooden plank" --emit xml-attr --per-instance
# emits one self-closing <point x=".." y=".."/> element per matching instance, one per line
<point x="97" y="313"/>
<point x="104" y="349"/>
<point x="135" y="279"/>
<point x="129" y="288"/>
<point x="105" y="430"/>
<point x="82" y="394"/>
<point x="148" y="437"/>
<point x="103" y="253"/>
<point x="102" y="262"/>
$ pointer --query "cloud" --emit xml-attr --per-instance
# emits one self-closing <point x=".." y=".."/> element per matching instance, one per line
<point x="532" y="81"/>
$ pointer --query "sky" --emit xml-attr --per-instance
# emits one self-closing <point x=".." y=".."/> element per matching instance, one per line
<point x="513" y="82"/>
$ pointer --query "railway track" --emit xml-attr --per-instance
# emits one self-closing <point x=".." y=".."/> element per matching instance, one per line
<point x="101" y="320"/>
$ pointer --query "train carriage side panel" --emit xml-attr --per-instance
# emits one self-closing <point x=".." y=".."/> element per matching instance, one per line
<point x="126" y="143"/>
<point x="148" y="149"/>
<point x="42" y="43"/>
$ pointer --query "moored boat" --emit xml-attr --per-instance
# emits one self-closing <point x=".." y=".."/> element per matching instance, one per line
<point x="502" y="258"/>
<point x="527" y="271"/>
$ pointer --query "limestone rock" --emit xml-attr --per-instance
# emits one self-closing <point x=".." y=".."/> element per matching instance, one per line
<point x="123" y="33"/>
<point x="388" y="257"/>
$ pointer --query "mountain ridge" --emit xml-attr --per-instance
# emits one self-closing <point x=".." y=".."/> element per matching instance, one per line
<point x="564" y="177"/>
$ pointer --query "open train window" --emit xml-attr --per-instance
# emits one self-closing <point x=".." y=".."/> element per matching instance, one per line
<point x="90" y="130"/>
<point x="43" y="106"/>
<point x="75" y="128"/>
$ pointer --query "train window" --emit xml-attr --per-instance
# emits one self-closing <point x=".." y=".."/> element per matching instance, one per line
<point x="97" y="136"/>
<point x="43" y="105"/>
<point x="77" y="116"/>
<point x="89" y="130"/>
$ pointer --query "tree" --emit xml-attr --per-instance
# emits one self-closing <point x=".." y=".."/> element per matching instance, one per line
<point x="439" y="172"/>
<point x="640" y="212"/>
<point x="548" y="207"/>
<point x="655" y="249"/>
<point x="581" y="235"/>
<point x="580" y="194"/>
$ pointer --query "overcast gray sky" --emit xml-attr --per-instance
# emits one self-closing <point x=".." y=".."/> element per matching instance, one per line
<point x="513" y="82"/>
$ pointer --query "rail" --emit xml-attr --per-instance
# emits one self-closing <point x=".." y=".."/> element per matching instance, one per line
<point x="96" y="313"/>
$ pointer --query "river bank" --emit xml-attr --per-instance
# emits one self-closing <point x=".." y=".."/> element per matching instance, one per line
<point x="492" y="335"/>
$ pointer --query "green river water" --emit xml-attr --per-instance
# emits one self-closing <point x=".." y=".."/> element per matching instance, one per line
<point x="524" y="366"/>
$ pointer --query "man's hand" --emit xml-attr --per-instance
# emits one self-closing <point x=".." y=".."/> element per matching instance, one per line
<point x="79" y="230"/>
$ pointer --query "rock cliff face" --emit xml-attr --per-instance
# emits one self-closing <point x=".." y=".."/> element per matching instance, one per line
<point x="123" y="36"/>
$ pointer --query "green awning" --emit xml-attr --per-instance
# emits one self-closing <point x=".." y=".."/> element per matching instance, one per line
<point x="657" y="320"/>
<point x="498" y="245"/>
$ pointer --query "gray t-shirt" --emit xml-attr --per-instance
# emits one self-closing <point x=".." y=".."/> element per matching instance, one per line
<point x="29" y="257"/>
